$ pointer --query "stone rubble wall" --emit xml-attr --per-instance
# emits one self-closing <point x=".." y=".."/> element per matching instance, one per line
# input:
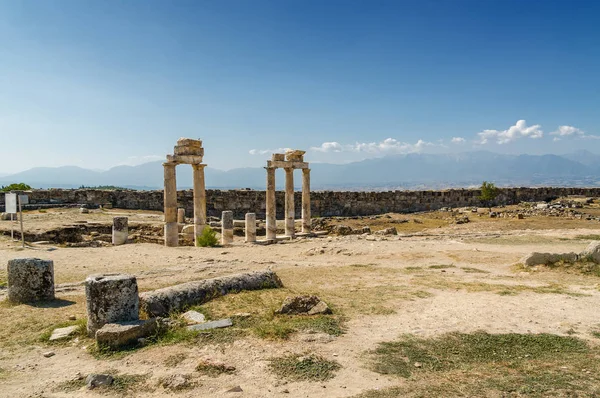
<point x="323" y="203"/>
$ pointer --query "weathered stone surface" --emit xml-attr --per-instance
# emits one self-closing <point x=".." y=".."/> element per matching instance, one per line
<point x="161" y="302"/>
<point x="63" y="333"/>
<point x="193" y="317"/>
<point x="110" y="298"/>
<point x="30" y="280"/>
<point x="221" y="323"/>
<point x="298" y="304"/>
<point x="387" y="231"/>
<point x="115" y="335"/>
<point x="98" y="380"/>
<point x="536" y="258"/>
<point x="176" y="382"/>
<point x="320" y="309"/>
<point x="120" y="230"/>
<point x="342" y="230"/>
<point x="592" y="252"/>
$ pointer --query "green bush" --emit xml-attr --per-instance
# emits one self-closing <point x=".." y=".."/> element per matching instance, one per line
<point x="489" y="191"/>
<point x="208" y="238"/>
<point x="15" y="187"/>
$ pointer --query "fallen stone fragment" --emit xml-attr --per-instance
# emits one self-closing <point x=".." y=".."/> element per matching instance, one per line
<point x="48" y="354"/>
<point x="320" y="309"/>
<point x="193" y="317"/>
<point x="98" y="380"/>
<point x="592" y="252"/>
<point x="235" y="389"/>
<point x="387" y="231"/>
<point x="536" y="258"/>
<point x="162" y="302"/>
<point x="176" y="382"/>
<point x="298" y="304"/>
<point x="221" y="323"/>
<point x="115" y="335"/>
<point x="63" y="333"/>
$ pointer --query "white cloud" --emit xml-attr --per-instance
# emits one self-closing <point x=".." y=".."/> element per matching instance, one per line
<point x="566" y="131"/>
<point x="137" y="160"/>
<point x="387" y="146"/>
<point x="267" y="151"/>
<point x="519" y="130"/>
<point x="458" y="140"/>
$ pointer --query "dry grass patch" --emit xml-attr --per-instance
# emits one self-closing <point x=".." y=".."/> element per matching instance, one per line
<point x="471" y="270"/>
<point x="308" y="367"/>
<point x="175" y="359"/>
<point x="482" y="364"/>
<point x="214" y="369"/>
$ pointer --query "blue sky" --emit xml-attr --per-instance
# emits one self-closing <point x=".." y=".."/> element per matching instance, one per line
<point x="97" y="84"/>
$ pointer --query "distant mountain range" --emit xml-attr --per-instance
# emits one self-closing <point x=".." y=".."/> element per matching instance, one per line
<point x="416" y="171"/>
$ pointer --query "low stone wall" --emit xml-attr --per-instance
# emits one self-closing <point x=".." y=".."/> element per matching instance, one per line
<point x="324" y="204"/>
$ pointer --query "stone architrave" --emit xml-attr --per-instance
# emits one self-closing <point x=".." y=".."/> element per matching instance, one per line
<point x="187" y="151"/>
<point x="30" y="280"/>
<point x="120" y="230"/>
<point x="181" y="215"/>
<point x="250" y="227"/>
<point x="110" y="298"/>
<point x="291" y="160"/>
<point x="226" y="228"/>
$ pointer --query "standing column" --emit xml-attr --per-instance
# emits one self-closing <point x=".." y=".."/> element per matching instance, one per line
<point x="289" y="202"/>
<point x="171" y="227"/>
<point x="306" y="225"/>
<point x="199" y="201"/>
<point x="226" y="228"/>
<point x="181" y="215"/>
<point x="250" y="227"/>
<point x="271" y="210"/>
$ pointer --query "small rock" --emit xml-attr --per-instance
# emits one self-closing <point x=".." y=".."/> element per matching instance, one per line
<point x="298" y="304"/>
<point x="418" y="365"/>
<point x="72" y="318"/>
<point x="115" y="335"/>
<point x="98" y="380"/>
<point x="83" y="210"/>
<point x="49" y="354"/>
<point x="221" y="323"/>
<point x="193" y="317"/>
<point x="320" y="308"/>
<point x="235" y="389"/>
<point x="176" y="382"/>
<point x="63" y="333"/>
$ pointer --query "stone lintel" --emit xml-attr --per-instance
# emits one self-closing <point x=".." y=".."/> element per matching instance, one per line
<point x="184" y="159"/>
<point x="189" y="142"/>
<point x="278" y="157"/>
<point x="295" y="156"/>
<point x="188" y="151"/>
<point x="286" y="165"/>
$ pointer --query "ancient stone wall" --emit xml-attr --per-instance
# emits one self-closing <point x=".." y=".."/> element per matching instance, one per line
<point x="326" y="203"/>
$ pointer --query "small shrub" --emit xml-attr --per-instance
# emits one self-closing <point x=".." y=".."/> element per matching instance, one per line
<point x="208" y="238"/>
<point x="15" y="187"/>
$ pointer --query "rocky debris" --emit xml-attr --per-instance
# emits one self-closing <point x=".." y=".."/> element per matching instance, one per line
<point x="193" y="317"/>
<point x="536" y="258"/>
<point x="63" y="333"/>
<point x="461" y="220"/>
<point x="162" y="302"/>
<point x="88" y="243"/>
<point x="83" y="210"/>
<point x="342" y="230"/>
<point x="116" y="335"/>
<point x="311" y="305"/>
<point x="235" y="389"/>
<point x="592" y="252"/>
<point x="98" y="380"/>
<point x="221" y="323"/>
<point x="48" y="354"/>
<point x="520" y="216"/>
<point x="387" y="231"/>
<point x="176" y="382"/>
<point x="6" y="216"/>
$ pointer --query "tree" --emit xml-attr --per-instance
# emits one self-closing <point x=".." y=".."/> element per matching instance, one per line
<point x="15" y="187"/>
<point x="208" y="238"/>
<point x="489" y="191"/>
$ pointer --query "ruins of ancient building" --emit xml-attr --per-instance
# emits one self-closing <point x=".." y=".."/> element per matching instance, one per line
<point x="289" y="161"/>
<point x="187" y="151"/>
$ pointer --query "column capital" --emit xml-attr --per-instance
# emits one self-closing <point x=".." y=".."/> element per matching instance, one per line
<point x="169" y="164"/>
<point x="198" y="166"/>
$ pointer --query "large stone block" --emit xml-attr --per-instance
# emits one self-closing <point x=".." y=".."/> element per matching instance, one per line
<point x="120" y="230"/>
<point x="30" y="280"/>
<point x="111" y="298"/>
<point x="116" y="335"/>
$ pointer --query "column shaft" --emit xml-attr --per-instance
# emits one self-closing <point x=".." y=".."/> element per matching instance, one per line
<point x="271" y="211"/>
<point x="306" y="224"/>
<point x="289" y="203"/>
<point x="199" y="201"/>
<point x="250" y="227"/>
<point x="170" y="199"/>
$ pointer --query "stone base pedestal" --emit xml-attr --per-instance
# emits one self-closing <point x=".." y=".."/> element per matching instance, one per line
<point x="120" y="230"/>
<point x="171" y="234"/>
<point x="30" y="280"/>
<point x="110" y="298"/>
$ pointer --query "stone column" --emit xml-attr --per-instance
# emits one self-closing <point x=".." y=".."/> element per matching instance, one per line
<point x="271" y="211"/>
<point x="110" y="298"/>
<point x="30" y="279"/>
<point x="226" y="228"/>
<point x="306" y="224"/>
<point x="120" y="230"/>
<point x="290" y="213"/>
<point x="250" y="227"/>
<point x="181" y="215"/>
<point x="199" y="201"/>
<point x="171" y="227"/>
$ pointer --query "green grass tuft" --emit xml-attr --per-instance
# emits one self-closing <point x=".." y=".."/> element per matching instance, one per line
<point x="304" y="367"/>
<point x="441" y="266"/>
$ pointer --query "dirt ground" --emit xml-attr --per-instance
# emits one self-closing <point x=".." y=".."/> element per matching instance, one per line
<point x="432" y="278"/>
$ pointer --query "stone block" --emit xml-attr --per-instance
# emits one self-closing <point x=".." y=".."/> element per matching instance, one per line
<point x="592" y="252"/>
<point x="295" y="156"/>
<point x="110" y="298"/>
<point x="120" y="334"/>
<point x="278" y="157"/>
<point x="221" y="323"/>
<point x="120" y="230"/>
<point x="30" y="280"/>
<point x="193" y="317"/>
<point x="63" y="333"/>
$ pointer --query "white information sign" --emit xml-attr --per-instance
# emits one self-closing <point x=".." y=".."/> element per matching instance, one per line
<point x="10" y="202"/>
<point x="24" y="199"/>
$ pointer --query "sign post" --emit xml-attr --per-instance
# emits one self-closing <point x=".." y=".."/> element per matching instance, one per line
<point x="10" y="202"/>
<point x="22" y="198"/>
